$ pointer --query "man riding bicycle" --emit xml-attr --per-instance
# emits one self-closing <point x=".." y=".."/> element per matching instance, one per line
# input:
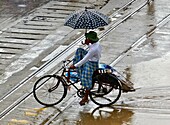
<point x="86" y="62"/>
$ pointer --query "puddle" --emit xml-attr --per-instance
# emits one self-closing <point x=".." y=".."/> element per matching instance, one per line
<point x="152" y="73"/>
<point x="106" y="116"/>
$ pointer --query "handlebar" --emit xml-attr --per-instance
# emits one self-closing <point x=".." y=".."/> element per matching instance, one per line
<point x="66" y="62"/>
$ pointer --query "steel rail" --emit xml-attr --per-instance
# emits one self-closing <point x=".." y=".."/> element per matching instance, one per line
<point x="22" y="98"/>
<point x="115" y="25"/>
<point x="136" y="44"/>
<point x="123" y="7"/>
<point x="143" y="38"/>
<point x="52" y="60"/>
<point x="104" y="34"/>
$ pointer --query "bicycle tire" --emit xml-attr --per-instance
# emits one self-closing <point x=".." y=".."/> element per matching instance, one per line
<point x="49" y="90"/>
<point x="105" y="94"/>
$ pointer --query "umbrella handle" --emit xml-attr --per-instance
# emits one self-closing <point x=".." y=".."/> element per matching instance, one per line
<point x="85" y="30"/>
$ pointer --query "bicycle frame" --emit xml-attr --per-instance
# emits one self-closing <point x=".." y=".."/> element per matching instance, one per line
<point x="100" y="94"/>
<point x="67" y="79"/>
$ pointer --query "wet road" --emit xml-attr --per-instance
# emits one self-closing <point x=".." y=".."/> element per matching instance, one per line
<point x="147" y="66"/>
<point x="11" y="10"/>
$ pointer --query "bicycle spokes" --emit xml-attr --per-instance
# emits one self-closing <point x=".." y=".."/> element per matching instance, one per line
<point x="50" y="91"/>
<point x="105" y="94"/>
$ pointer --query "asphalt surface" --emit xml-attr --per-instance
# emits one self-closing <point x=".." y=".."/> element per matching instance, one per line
<point x="145" y="65"/>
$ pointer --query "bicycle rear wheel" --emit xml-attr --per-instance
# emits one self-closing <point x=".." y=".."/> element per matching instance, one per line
<point x="49" y="90"/>
<point x="105" y="94"/>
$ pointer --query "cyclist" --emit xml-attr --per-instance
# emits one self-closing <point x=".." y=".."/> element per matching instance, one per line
<point x="86" y="62"/>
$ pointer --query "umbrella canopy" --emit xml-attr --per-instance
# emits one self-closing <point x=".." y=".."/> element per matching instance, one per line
<point x="86" y="19"/>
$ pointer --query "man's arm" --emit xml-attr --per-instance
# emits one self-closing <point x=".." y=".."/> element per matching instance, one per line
<point x="85" y="59"/>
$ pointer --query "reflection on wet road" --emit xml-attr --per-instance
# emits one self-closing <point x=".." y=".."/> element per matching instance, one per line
<point x="106" y="116"/>
<point x="147" y="67"/>
<point x="146" y="106"/>
<point x="152" y="73"/>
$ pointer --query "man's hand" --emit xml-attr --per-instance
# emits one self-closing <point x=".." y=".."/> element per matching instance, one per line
<point x="72" y="67"/>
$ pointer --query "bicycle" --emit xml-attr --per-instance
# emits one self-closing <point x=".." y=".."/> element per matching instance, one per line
<point x="50" y="90"/>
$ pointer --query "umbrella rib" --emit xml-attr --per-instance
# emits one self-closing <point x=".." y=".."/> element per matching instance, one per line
<point x="88" y="19"/>
<point x="105" y="18"/>
<point x="92" y="19"/>
<point x="79" y="15"/>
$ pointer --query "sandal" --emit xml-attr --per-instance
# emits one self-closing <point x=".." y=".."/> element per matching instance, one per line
<point x="83" y="101"/>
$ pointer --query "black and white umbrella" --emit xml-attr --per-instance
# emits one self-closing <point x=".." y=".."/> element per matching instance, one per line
<point x="86" y="19"/>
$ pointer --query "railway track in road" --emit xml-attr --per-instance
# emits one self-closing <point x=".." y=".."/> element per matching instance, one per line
<point x="136" y="44"/>
<point x="65" y="52"/>
<point x="55" y="58"/>
<point x="24" y="34"/>
<point x="27" y="32"/>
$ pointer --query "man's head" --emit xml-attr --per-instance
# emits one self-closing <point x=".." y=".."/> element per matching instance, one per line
<point x="91" y="37"/>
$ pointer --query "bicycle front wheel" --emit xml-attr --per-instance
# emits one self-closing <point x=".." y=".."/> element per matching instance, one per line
<point x="105" y="94"/>
<point x="49" y="90"/>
